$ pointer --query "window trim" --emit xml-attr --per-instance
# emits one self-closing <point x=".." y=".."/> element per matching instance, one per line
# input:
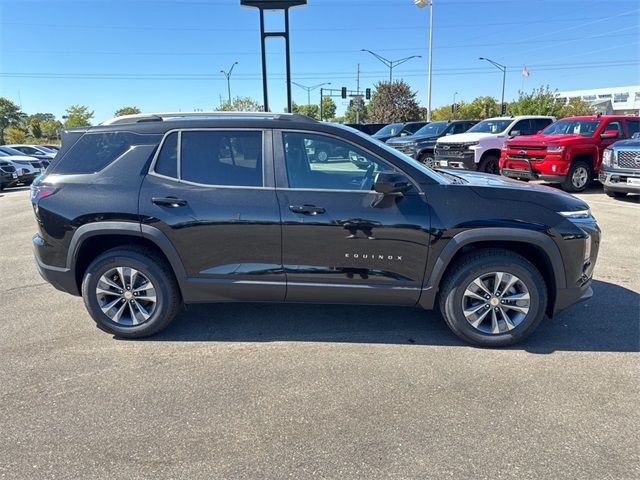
<point x="281" y="167"/>
<point x="179" y="179"/>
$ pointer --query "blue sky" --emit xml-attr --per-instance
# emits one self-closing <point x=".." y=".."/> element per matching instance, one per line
<point x="166" y="55"/>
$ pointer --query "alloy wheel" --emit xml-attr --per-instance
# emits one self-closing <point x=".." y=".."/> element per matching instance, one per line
<point x="580" y="177"/>
<point x="126" y="296"/>
<point x="496" y="302"/>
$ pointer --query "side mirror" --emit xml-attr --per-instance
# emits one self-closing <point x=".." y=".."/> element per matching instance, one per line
<point x="514" y="133"/>
<point x="389" y="183"/>
<point x="609" y="134"/>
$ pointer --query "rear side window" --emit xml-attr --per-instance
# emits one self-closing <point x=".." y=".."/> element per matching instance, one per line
<point x="633" y="126"/>
<point x="167" y="163"/>
<point x="222" y="158"/>
<point x="94" y="151"/>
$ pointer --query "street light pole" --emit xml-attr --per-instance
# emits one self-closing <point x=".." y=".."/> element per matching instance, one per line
<point x="228" y="75"/>
<point x="390" y="63"/>
<point x="454" y="105"/>
<point x="504" y="75"/>
<point x="422" y="4"/>
<point x="310" y="89"/>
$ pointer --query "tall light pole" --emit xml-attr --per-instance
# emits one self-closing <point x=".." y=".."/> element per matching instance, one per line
<point x="422" y="4"/>
<point x="228" y="75"/>
<point x="310" y="89"/>
<point x="390" y="63"/>
<point x="504" y="76"/>
<point x="453" y="106"/>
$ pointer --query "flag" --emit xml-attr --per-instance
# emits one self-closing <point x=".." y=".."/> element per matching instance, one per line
<point x="525" y="71"/>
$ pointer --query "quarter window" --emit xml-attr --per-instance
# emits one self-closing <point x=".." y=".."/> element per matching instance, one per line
<point x="319" y="162"/>
<point x="222" y="158"/>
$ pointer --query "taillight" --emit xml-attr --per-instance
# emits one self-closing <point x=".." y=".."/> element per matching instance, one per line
<point x="38" y="192"/>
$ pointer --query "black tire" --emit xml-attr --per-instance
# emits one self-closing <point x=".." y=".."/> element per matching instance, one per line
<point x="490" y="164"/>
<point x="485" y="262"/>
<point x="614" y="194"/>
<point x="428" y="159"/>
<point x="156" y="270"/>
<point x="575" y="181"/>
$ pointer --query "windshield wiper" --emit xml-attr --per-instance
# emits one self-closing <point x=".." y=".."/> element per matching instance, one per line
<point x="456" y="180"/>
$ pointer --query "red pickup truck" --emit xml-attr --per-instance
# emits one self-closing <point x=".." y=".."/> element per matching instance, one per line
<point x="568" y="151"/>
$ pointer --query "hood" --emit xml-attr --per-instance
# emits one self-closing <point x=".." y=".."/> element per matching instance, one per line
<point x="498" y="187"/>
<point x="467" y="137"/>
<point x="413" y="139"/>
<point x="544" y="140"/>
<point x="384" y="138"/>
<point x="633" y="143"/>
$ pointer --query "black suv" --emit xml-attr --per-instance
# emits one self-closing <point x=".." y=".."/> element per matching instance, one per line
<point x="144" y="213"/>
<point x="421" y="145"/>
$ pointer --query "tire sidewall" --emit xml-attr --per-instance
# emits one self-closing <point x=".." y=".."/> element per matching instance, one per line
<point x="489" y="160"/>
<point x="569" y="182"/>
<point x="460" y="325"/>
<point x="144" y="265"/>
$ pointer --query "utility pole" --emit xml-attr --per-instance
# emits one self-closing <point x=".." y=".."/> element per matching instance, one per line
<point x="358" y="95"/>
<point x="502" y="68"/>
<point x="228" y="75"/>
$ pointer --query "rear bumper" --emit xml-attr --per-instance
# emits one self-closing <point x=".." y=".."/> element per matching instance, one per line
<point x="62" y="279"/>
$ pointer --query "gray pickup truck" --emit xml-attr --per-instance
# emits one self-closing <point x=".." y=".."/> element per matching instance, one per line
<point x="620" y="169"/>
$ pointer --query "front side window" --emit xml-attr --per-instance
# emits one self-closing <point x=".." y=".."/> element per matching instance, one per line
<point x="523" y="126"/>
<point x="321" y="162"/>
<point x="222" y="158"/>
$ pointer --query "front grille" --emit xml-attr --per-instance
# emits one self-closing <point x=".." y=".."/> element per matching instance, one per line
<point x="36" y="164"/>
<point x="524" y="156"/>
<point x="452" y="146"/>
<point x="527" y="147"/>
<point x="7" y="168"/>
<point x="629" y="159"/>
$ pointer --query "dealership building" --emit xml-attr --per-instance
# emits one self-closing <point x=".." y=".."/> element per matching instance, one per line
<point x="607" y="101"/>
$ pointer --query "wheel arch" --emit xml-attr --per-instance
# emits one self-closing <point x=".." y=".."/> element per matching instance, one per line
<point x="492" y="151"/>
<point x="535" y="246"/>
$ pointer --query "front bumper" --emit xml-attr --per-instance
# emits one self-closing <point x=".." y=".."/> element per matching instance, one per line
<point x="531" y="175"/>
<point x="620" y="180"/>
<point x="570" y="296"/>
<point x="459" y="159"/>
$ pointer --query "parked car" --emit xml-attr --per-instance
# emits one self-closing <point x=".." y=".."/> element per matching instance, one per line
<point x="420" y="146"/>
<point x="397" y="130"/>
<point x="8" y="174"/>
<point x="285" y="229"/>
<point x="620" y="168"/>
<point x="569" y="152"/>
<point x="27" y="168"/>
<point x="52" y="146"/>
<point x="479" y="148"/>
<point x="38" y="151"/>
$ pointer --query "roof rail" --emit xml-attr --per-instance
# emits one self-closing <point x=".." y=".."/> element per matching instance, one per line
<point x="164" y="116"/>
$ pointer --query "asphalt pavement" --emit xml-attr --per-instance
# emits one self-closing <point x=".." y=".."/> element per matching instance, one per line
<point x="295" y="391"/>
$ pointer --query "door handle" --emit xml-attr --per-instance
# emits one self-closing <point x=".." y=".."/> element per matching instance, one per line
<point x="306" y="209"/>
<point x="169" y="201"/>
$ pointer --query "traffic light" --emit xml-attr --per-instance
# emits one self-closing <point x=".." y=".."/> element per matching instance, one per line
<point x="504" y="109"/>
<point x="344" y="92"/>
<point x="367" y="94"/>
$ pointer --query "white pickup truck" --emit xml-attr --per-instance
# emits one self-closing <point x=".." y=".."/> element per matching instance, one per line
<point x="479" y="147"/>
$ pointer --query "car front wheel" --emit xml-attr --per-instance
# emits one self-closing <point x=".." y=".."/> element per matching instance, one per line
<point x="130" y="292"/>
<point x="493" y="298"/>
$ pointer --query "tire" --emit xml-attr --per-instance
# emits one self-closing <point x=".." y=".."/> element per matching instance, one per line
<point x="322" y="155"/>
<point x="489" y="164"/>
<point x="578" y="177"/>
<point x="427" y="159"/>
<point x="486" y="264"/>
<point x="613" y="194"/>
<point x="160" y="313"/>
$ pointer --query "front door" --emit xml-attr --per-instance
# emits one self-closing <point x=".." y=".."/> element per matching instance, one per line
<point x="211" y="192"/>
<point x="343" y="242"/>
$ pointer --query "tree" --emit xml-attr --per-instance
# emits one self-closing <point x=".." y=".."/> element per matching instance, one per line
<point x="393" y="102"/>
<point x="328" y="108"/>
<point x="16" y="134"/>
<point x="35" y="128"/>
<point x="443" y="113"/>
<point x="78" y="116"/>
<point x="10" y="115"/>
<point x="241" y="104"/>
<point x="544" y="101"/>
<point x="576" y="106"/>
<point x="479" y="107"/>
<point x="312" y="110"/>
<point x="357" y="111"/>
<point x="126" y="111"/>
<point x="50" y="128"/>
<point x="43" y="117"/>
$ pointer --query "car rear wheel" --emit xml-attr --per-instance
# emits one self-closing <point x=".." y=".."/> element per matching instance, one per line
<point x="614" y="194"/>
<point x="578" y="177"/>
<point x="493" y="298"/>
<point x="130" y="292"/>
<point x="489" y="164"/>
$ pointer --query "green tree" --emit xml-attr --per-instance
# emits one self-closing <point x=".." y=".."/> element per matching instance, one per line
<point x="393" y="102"/>
<point x="241" y="104"/>
<point x="78" y="116"/>
<point x="576" y="106"/>
<point x="480" y="107"/>
<point x="126" y="111"/>
<point x="16" y="134"/>
<point x="10" y="115"/>
<point x="43" y="117"/>
<point x="443" y="113"/>
<point x="34" y="127"/>
<point x="312" y="110"/>
<point x="544" y="101"/>
<point x="328" y="108"/>
<point x="50" y="129"/>
<point x="357" y="111"/>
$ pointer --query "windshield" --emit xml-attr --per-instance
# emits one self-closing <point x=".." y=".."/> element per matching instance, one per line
<point x="435" y="128"/>
<point x="390" y="129"/>
<point x="572" y="127"/>
<point x="490" y="126"/>
<point x="12" y="151"/>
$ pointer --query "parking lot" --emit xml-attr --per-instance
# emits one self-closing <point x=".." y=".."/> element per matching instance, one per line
<point x="273" y="391"/>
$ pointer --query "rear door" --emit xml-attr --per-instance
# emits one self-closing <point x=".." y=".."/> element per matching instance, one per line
<point x="211" y="192"/>
<point x="343" y="242"/>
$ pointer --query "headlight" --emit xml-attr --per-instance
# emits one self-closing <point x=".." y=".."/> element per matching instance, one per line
<point x="577" y="214"/>
<point x="555" y="148"/>
<point x="470" y="144"/>
<point x="607" y="157"/>
<point x="423" y="144"/>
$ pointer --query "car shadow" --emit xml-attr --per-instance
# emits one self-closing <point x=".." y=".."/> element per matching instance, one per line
<point x="607" y="322"/>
